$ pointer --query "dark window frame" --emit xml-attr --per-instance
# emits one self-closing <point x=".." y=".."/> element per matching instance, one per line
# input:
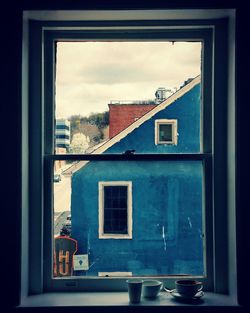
<point x="101" y="195"/>
<point x="43" y="153"/>
<point x="116" y="223"/>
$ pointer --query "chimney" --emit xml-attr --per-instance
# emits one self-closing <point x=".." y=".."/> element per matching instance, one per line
<point x="160" y="95"/>
<point x="122" y="115"/>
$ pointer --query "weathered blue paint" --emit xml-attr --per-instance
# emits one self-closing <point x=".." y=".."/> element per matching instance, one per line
<point x="187" y="112"/>
<point x="166" y="201"/>
<point x="167" y="217"/>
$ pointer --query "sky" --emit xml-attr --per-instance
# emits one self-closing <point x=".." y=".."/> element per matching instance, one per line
<point x="90" y="74"/>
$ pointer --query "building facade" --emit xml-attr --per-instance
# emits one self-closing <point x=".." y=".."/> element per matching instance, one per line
<point x="140" y="217"/>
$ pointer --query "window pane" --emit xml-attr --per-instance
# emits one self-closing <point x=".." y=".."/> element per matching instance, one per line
<point x="165" y="132"/>
<point x="62" y="197"/>
<point x="167" y="217"/>
<point x="108" y="96"/>
<point x="115" y="209"/>
<point x="115" y="197"/>
<point x="115" y="221"/>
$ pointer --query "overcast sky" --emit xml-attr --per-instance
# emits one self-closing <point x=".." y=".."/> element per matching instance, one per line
<point x="90" y="74"/>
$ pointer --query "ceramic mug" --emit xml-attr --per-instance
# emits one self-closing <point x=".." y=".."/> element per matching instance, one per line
<point x="134" y="290"/>
<point x="188" y="287"/>
<point x="151" y="288"/>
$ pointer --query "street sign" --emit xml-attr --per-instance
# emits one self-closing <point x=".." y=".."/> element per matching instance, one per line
<point x="81" y="262"/>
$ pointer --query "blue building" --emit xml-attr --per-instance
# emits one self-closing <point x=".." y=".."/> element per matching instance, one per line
<point x="144" y="217"/>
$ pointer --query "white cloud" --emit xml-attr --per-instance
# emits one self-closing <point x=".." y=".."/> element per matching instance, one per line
<point x="90" y="74"/>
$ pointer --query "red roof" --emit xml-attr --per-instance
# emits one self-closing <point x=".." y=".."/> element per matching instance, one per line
<point x="123" y="115"/>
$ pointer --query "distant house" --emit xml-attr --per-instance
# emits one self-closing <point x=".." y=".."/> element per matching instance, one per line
<point x="140" y="217"/>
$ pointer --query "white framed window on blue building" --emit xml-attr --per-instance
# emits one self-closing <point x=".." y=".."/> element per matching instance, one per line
<point x="115" y="210"/>
<point x="166" y="132"/>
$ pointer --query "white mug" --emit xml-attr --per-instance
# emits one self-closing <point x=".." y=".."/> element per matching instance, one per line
<point x="151" y="288"/>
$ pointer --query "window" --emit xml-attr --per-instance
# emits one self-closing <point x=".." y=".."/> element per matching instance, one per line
<point x="196" y="163"/>
<point x="167" y="214"/>
<point x="62" y="127"/>
<point x="166" y="132"/>
<point x="62" y="136"/>
<point x="115" y="210"/>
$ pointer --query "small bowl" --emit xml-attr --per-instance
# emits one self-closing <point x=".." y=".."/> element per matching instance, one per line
<point x="151" y="288"/>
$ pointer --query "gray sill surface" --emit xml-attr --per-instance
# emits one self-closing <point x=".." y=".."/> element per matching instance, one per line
<point x="88" y="299"/>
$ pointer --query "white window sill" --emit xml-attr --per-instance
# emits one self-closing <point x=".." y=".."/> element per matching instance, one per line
<point x="114" y="299"/>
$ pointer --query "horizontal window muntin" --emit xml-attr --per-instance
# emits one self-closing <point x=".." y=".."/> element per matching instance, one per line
<point x="131" y="157"/>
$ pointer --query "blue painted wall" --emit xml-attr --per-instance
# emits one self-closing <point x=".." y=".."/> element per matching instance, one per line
<point x="166" y="201"/>
<point x="167" y="217"/>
